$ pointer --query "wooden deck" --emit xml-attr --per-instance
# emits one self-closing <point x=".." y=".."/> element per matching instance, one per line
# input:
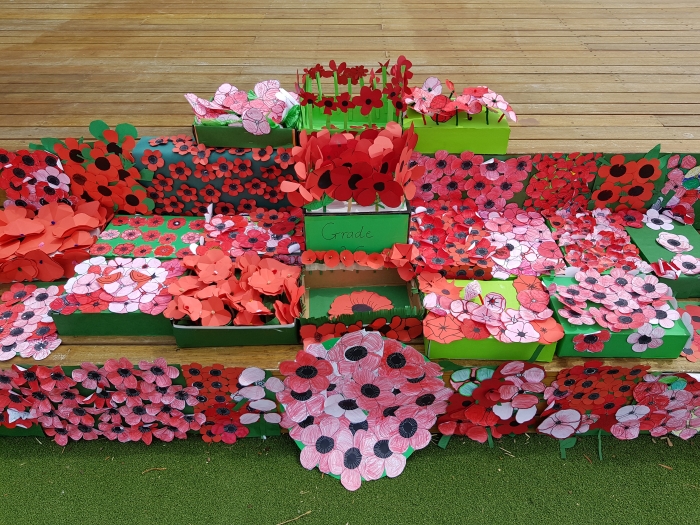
<point x="588" y="76"/>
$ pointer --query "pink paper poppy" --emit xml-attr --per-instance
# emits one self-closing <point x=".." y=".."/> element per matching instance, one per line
<point x="625" y="429"/>
<point x="410" y="428"/>
<point x="357" y="350"/>
<point x="370" y="391"/>
<point x="300" y="406"/>
<point x="319" y="441"/>
<point x="179" y="397"/>
<point x="339" y="405"/>
<point x="349" y="458"/>
<point x="158" y="372"/>
<point x="646" y="337"/>
<point x="121" y="373"/>
<point x="306" y="372"/>
<point x="38" y="349"/>
<point x="561" y="424"/>
<point x="521" y="332"/>
<point x="255" y="122"/>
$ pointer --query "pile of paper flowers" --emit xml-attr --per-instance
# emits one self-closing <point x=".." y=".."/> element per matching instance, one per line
<point x="455" y="313"/>
<point x="119" y="285"/>
<point x="47" y="245"/>
<point x="359" y="408"/>
<point x="26" y="328"/>
<point x="368" y="168"/>
<point x="248" y="292"/>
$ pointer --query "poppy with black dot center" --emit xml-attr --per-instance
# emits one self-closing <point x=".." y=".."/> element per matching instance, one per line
<point x="370" y="391"/>
<point x="408" y="427"/>
<point x="194" y="371"/>
<point x="646" y="171"/>
<point x="425" y="400"/>
<point x="382" y="450"/>
<point x="605" y="195"/>
<point x="416" y="379"/>
<point x="689" y="266"/>
<point x="222" y="411"/>
<point x="324" y="444"/>
<point x="657" y="221"/>
<point x="220" y="398"/>
<point x="124" y="372"/>
<point x="39" y="395"/>
<point x="230" y="428"/>
<point x="348" y="404"/>
<point x="215" y="372"/>
<point x="354" y="427"/>
<point x="396" y="360"/>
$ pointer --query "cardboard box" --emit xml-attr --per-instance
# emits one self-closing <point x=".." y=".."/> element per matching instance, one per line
<point x="490" y="348"/>
<point x="645" y="239"/>
<point x="111" y="324"/>
<point x="322" y="287"/>
<point x="673" y="342"/>
<point x="189" y="335"/>
<point x="238" y="137"/>
<point x="362" y="229"/>
<point x="458" y="135"/>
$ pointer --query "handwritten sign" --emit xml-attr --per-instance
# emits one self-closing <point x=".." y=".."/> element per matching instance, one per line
<point x="369" y="232"/>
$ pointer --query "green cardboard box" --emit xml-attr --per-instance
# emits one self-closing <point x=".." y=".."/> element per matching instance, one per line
<point x="462" y="134"/>
<point x="674" y="339"/>
<point x="188" y="335"/>
<point x="237" y="137"/>
<point x="651" y="251"/>
<point x="490" y="348"/>
<point x="323" y="287"/>
<point x="111" y="324"/>
<point x="367" y="231"/>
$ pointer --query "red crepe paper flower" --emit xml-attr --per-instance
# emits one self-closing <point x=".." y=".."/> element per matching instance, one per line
<point x="594" y="342"/>
<point x="360" y="301"/>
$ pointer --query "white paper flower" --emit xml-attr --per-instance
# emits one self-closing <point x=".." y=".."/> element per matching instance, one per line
<point x="687" y="264"/>
<point x="646" y="337"/>
<point x="631" y="412"/>
<point x="561" y="424"/>
<point x="674" y="243"/>
<point x="665" y="316"/>
<point x="654" y="220"/>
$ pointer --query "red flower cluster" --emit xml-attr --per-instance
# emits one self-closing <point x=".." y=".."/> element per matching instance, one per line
<point x="250" y="291"/>
<point x="118" y="401"/>
<point x="234" y="401"/>
<point x="271" y="233"/>
<point x="622" y="401"/>
<point x="628" y="183"/>
<point x="493" y="403"/>
<point x="404" y="330"/>
<point x="33" y="179"/>
<point x="48" y="245"/>
<point x="103" y="170"/>
<point x="399" y="256"/>
<point x="597" y="239"/>
<point x="561" y="181"/>
<point x="369" y="168"/>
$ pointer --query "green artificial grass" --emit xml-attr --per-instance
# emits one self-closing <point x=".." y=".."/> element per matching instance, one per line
<point x="262" y="482"/>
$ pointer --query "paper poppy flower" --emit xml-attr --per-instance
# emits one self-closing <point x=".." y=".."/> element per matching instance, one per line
<point x="360" y="301"/>
<point x="646" y="337"/>
<point x="687" y="264"/>
<point x="674" y="243"/>
<point x="594" y="342"/>
<point x="368" y="99"/>
<point x="152" y="159"/>
<point x="656" y="221"/>
<point x="306" y="372"/>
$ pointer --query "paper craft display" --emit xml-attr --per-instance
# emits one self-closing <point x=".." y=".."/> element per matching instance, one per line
<point x="488" y="320"/>
<point x="399" y="256"/>
<point x="369" y="168"/>
<point x="234" y="403"/>
<point x="138" y="236"/>
<point x="691" y="314"/>
<point x="681" y="187"/>
<point x="369" y="98"/>
<point x="459" y="123"/>
<point x="616" y="315"/>
<point x="47" y="245"/>
<point x="471" y="244"/>
<point x="117" y="401"/>
<point x="396" y="327"/>
<point x="354" y="424"/>
<point x="357" y="229"/>
<point x="120" y="296"/>
<point x="265" y="116"/>
<point x="273" y="233"/>
<point x="103" y="169"/>
<point x="597" y="239"/>
<point x="188" y="177"/>
<point x="561" y="181"/>
<point x="622" y="401"/>
<point x="225" y="303"/>
<point x="631" y="181"/>
<point x="26" y="328"/>
<point x="673" y="251"/>
<point x="490" y="404"/>
<point x="33" y="179"/>
<point x="350" y="300"/>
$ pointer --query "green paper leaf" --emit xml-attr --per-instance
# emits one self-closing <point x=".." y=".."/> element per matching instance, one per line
<point x="49" y="144"/>
<point x="34" y="147"/>
<point x="467" y="389"/>
<point x="315" y="205"/>
<point x="293" y="118"/>
<point x="127" y="163"/>
<point x="678" y="385"/>
<point x="444" y="440"/>
<point x="691" y="184"/>
<point x="565" y="444"/>
<point x="240" y="405"/>
<point x="490" y="437"/>
<point x="663" y="161"/>
<point x="449" y="365"/>
<point x="653" y="153"/>
<point x="252" y="95"/>
<point x="668" y="379"/>
<point x="600" y="445"/>
<point x="602" y="161"/>
<point x="462" y="375"/>
<point x="97" y="129"/>
<point x="126" y="130"/>
<point x="146" y="175"/>
<point x="484" y="373"/>
<point x="150" y="204"/>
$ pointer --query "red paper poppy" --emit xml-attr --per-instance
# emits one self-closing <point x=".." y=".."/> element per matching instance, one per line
<point x="246" y="205"/>
<point x="100" y="249"/>
<point x="368" y="99"/>
<point x="209" y="193"/>
<point x="256" y="187"/>
<point x="591" y="342"/>
<point x="167" y="238"/>
<point x="179" y="171"/>
<point x="152" y="159"/>
<point x="176" y="223"/>
<point x="143" y="250"/>
<point x="173" y="205"/>
<point x="200" y="154"/>
<point x="283" y="158"/>
<point x="442" y="329"/>
<point x="163" y="251"/>
<point x="242" y="167"/>
<point x="360" y="301"/>
<point x="123" y="249"/>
